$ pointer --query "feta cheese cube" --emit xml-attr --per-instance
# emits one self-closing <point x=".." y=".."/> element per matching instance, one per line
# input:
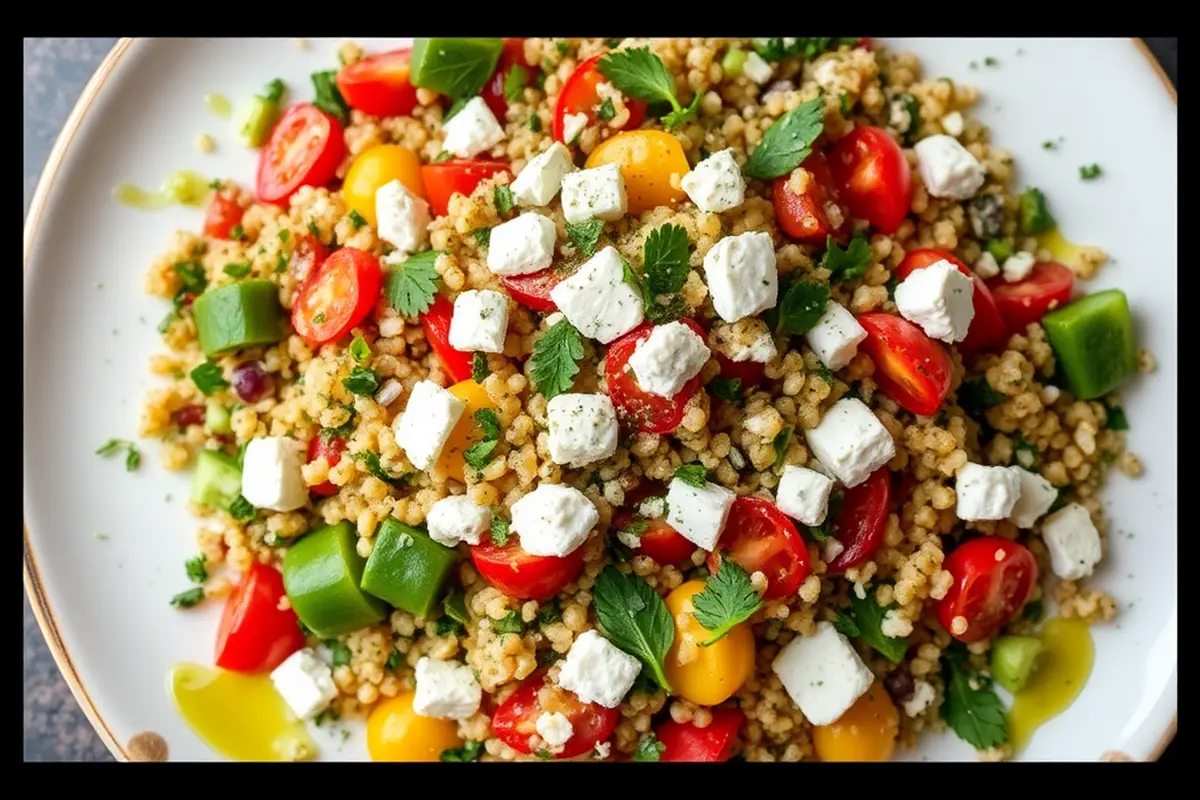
<point x="522" y="245"/>
<point x="822" y="674"/>
<point x="668" y="358"/>
<point x="986" y="266"/>
<point x="952" y="124"/>
<point x="756" y="68"/>
<point x="598" y="300"/>
<point x="472" y="130"/>
<point x="271" y="475"/>
<point x="1073" y="542"/>
<point x="445" y="690"/>
<point x="541" y="178"/>
<point x="402" y="218"/>
<point x="947" y="168"/>
<point x="597" y="193"/>
<point x="1018" y="266"/>
<point x="573" y="125"/>
<point x="836" y="336"/>
<point x="425" y="425"/>
<point x="553" y="520"/>
<point x="803" y="494"/>
<point x="923" y="695"/>
<point x="741" y="275"/>
<point x="597" y="671"/>
<point x="940" y="299"/>
<point x="305" y="683"/>
<point x="1035" y="498"/>
<point x="554" y="728"/>
<point x="851" y="442"/>
<point x="457" y="519"/>
<point x="699" y="514"/>
<point x="716" y="184"/>
<point x="985" y="492"/>
<point x="583" y="428"/>
<point x="480" y="321"/>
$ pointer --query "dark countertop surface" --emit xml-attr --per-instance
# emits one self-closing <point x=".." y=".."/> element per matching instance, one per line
<point x="55" y="73"/>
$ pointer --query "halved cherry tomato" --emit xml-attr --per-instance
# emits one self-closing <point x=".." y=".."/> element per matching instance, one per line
<point x="750" y="373"/>
<point x="685" y="742"/>
<point x="648" y="413"/>
<point x="330" y="448"/>
<point x="864" y="42"/>
<point x="760" y="538"/>
<point x="379" y="85"/>
<point x="861" y="521"/>
<point x="1045" y="288"/>
<point x="578" y="96"/>
<point x="993" y="578"/>
<point x="910" y="368"/>
<point x="647" y="160"/>
<point x="872" y="177"/>
<point x="533" y="290"/>
<point x="255" y="635"/>
<point x="304" y="149"/>
<point x="987" y="326"/>
<point x="516" y="718"/>
<point x="518" y="574"/>
<point x="444" y="179"/>
<point x="512" y="54"/>
<point x="659" y="540"/>
<point x="223" y="214"/>
<point x="866" y="732"/>
<point x="338" y="295"/>
<point x="806" y="216"/>
<point x="436" y="322"/>
<point x="377" y="166"/>
<point x="310" y="252"/>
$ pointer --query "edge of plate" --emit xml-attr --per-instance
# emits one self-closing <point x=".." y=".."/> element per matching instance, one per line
<point x="42" y="611"/>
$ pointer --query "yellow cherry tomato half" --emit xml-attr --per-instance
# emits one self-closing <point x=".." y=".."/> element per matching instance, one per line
<point x="375" y="167"/>
<point x="711" y="674"/>
<point x="866" y="732"/>
<point x="397" y="733"/>
<point x="647" y="159"/>
<point x="466" y="433"/>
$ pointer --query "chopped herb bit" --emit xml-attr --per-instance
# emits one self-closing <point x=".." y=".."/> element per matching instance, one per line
<point x="394" y="661"/>
<point x="649" y="748"/>
<point x="479" y="367"/>
<point x="411" y="287"/>
<point x="514" y="83"/>
<point x="990" y="61"/>
<point x="455" y="606"/>
<point x="361" y="381"/>
<point x="284" y="233"/>
<point x="1089" y="172"/>
<point x="444" y="626"/>
<point x="504" y="199"/>
<point x="555" y="360"/>
<point x="807" y="47"/>
<point x="371" y="461"/>
<point x="728" y="389"/>
<point x="665" y="259"/>
<point x="457" y="105"/>
<point x="360" y="351"/>
<point x="549" y="612"/>
<point x="1049" y="144"/>
<point x="585" y="235"/>
<point x="470" y="751"/>
<point x="192" y="276"/>
<point x="319" y="318"/>
<point x="865" y="618"/>
<point x="635" y="619"/>
<point x="849" y="264"/>
<point x="727" y="599"/>
<point x="197" y="569"/>
<point x="356" y="219"/>
<point x="781" y="442"/>
<point x="976" y="396"/>
<point x="281" y="262"/>
<point x="188" y="598"/>
<point x="499" y="531"/>
<point x="1116" y="419"/>
<point x="801" y="306"/>
<point x="787" y="142"/>
<point x="442" y="156"/>
<point x="339" y="652"/>
<point x="328" y="98"/>
<point x="606" y="111"/>
<point x="237" y="233"/>
<point x="692" y="474"/>
<point x="241" y="509"/>
<point x="1035" y="215"/>
<point x="479" y="454"/>
<point x="1034" y="611"/>
<point x="483" y="236"/>
<point x="208" y="378"/>
<point x="509" y="623"/>
<point x="313" y="229"/>
<point x="535" y="122"/>
<point x="828" y="528"/>
<point x="238" y="269"/>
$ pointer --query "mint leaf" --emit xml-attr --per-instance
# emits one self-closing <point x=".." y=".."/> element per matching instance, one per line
<point x="585" y="235"/>
<point x="974" y="714"/>
<point x="801" y="306"/>
<point x="635" y="619"/>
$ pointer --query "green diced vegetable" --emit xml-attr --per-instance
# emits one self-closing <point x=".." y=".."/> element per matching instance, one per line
<point x="999" y="250"/>
<point x="217" y="481"/>
<point x="1013" y="660"/>
<point x="454" y="67"/>
<point x="732" y="61"/>
<point x="236" y="315"/>
<point x="321" y="573"/>
<point x="1094" y="343"/>
<point x="1035" y="215"/>
<point x="407" y="568"/>
<point x="257" y="115"/>
<point x="216" y="417"/>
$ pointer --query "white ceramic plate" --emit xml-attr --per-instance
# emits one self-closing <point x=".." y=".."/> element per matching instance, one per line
<point x="89" y="330"/>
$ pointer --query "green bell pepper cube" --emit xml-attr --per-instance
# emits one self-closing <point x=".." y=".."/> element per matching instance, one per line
<point x="407" y="568"/>
<point x="237" y="315"/>
<point x="1093" y="343"/>
<point x="217" y="481"/>
<point x="321" y="573"/>
<point x="1014" y="659"/>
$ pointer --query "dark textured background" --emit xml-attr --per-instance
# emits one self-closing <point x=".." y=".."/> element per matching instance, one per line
<point x="55" y="72"/>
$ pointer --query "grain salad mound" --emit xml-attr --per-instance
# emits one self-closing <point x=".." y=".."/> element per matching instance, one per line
<point x="688" y="294"/>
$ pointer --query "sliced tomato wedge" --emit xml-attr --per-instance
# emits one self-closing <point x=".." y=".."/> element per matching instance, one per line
<point x="760" y="538"/>
<point x="331" y="448"/>
<point x="993" y="579"/>
<point x="578" y="96"/>
<point x="861" y="521"/>
<point x="310" y="252"/>
<point x="872" y="177"/>
<point x="379" y="85"/>
<point x="659" y="540"/>
<point x="988" y="329"/>
<point x="436" y="322"/>
<point x="1045" y="288"/>
<point x="255" y="635"/>
<point x="304" y="149"/>
<point x="223" y="214"/>
<point x="455" y="176"/>
<point x="683" y="741"/>
<point x="809" y="216"/>
<point x="648" y="413"/>
<point x="521" y="575"/>
<point x="493" y="92"/>
<point x="337" y="295"/>
<point x="515" y="721"/>
<point x="910" y="368"/>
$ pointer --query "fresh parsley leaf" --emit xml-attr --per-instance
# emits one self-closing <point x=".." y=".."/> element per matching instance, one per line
<point x="339" y="652"/>
<point x="281" y="260"/>
<point x="868" y="619"/>
<point x="1089" y="172"/>
<point x="509" y="623"/>
<point x="504" y="199"/>
<point x="1035" y="214"/>
<point x="499" y="531"/>
<point x="197" y="569"/>
<point x="974" y="714"/>
<point x="239" y="269"/>
<point x="821" y="533"/>
<point x="479" y="367"/>
<point x="787" y="142"/>
<point x="585" y="235"/>
<point x="328" y="98"/>
<point x="188" y="598"/>
<point x="649" y="748"/>
<point x="726" y="600"/>
<point x="555" y="359"/>
<point x="361" y="381"/>
<point x="635" y="618"/>
<point x="665" y="259"/>
<point x="728" y="389"/>
<point x="692" y="474"/>
<point x="208" y="378"/>
<point x="483" y="236"/>
<point x="479" y="454"/>
<point x="781" y="442"/>
<point x="237" y="233"/>
<point x="241" y="509"/>
<point x="605" y="112"/>
<point x="549" y="612"/>
<point x="374" y="466"/>
<point x="640" y="74"/>
<point x="411" y="287"/>
<point x="801" y="306"/>
<point x="356" y="219"/>
<point x="849" y="264"/>
<point x="514" y="83"/>
<point x="360" y="351"/>
<point x="1116" y="419"/>
<point x="977" y="396"/>
<point x="470" y="751"/>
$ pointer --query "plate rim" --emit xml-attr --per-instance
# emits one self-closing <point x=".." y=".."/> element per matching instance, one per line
<point x="39" y="603"/>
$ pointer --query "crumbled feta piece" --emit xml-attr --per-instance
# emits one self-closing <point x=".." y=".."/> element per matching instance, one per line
<point x="603" y="749"/>
<point x="756" y="68"/>
<point x="457" y="519"/>
<point x="985" y="492"/>
<point x="831" y="550"/>
<point x="573" y="125"/>
<point x="540" y="180"/>
<point x="597" y="671"/>
<point x="271" y="476"/>
<point x="741" y="275"/>
<point x="445" y="690"/>
<point x="940" y="299"/>
<point x="825" y="74"/>
<point x="598" y="300"/>
<point x="553" y="520"/>
<point x="1073" y="542"/>
<point x="583" y="428"/>
<point x="554" y="728"/>
<point x="305" y="683"/>
<point x="522" y="245"/>
<point x="1035" y="498"/>
<point x="402" y="218"/>
<point x="699" y="514"/>
<point x="923" y="695"/>
<point x="472" y="130"/>
<point x="822" y="674"/>
<point x="716" y="184"/>
<point x="653" y="507"/>
<point x="1050" y="395"/>
<point x="947" y="168"/>
<point x="952" y="124"/>
<point x="1018" y="266"/>
<point x="630" y="539"/>
<point x="986" y="266"/>
<point x="426" y="422"/>
<point x="803" y="494"/>
<point x="851" y="442"/>
<point x="836" y="336"/>
<point x="668" y="358"/>
<point x="480" y="321"/>
<point x="597" y="193"/>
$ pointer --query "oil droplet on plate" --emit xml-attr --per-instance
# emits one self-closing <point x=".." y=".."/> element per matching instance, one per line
<point x="240" y="716"/>
<point x="1062" y="669"/>
<point x="184" y="187"/>
<point x="1061" y="249"/>
<point x="218" y="104"/>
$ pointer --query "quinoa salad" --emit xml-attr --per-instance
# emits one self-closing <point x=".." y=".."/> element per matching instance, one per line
<point x="640" y="399"/>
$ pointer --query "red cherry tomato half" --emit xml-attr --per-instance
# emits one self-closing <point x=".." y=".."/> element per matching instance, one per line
<point x="533" y="290"/>
<point x="379" y="85"/>
<point x="861" y="521"/>
<point x="516" y="718"/>
<point x="872" y="177"/>
<point x="805" y="216"/>
<point x="1046" y="287"/>
<point x="436" y="322"/>
<point x="493" y="92"/>
<point x="648" y="413"/>
<point x="659" y="540"/>
<point x="445" y="179"/>
<point x="683" y="741"/>
<point x="338" y="295"/>
<point x="987" y="326"/>
<point x="759" y="537"/>
<point x="255" y="635"/>
<point x="993" y="579"/>
<point x="750" y="373"/>
<point x="331" y="448"/>
<point x="223" y="214"/>
<point x="578" y="96"/>
<point x="910" y="368"/>
<point x="310" y="252"/>
<point x="304" y="149"/>
<point x="521" y="575"/>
